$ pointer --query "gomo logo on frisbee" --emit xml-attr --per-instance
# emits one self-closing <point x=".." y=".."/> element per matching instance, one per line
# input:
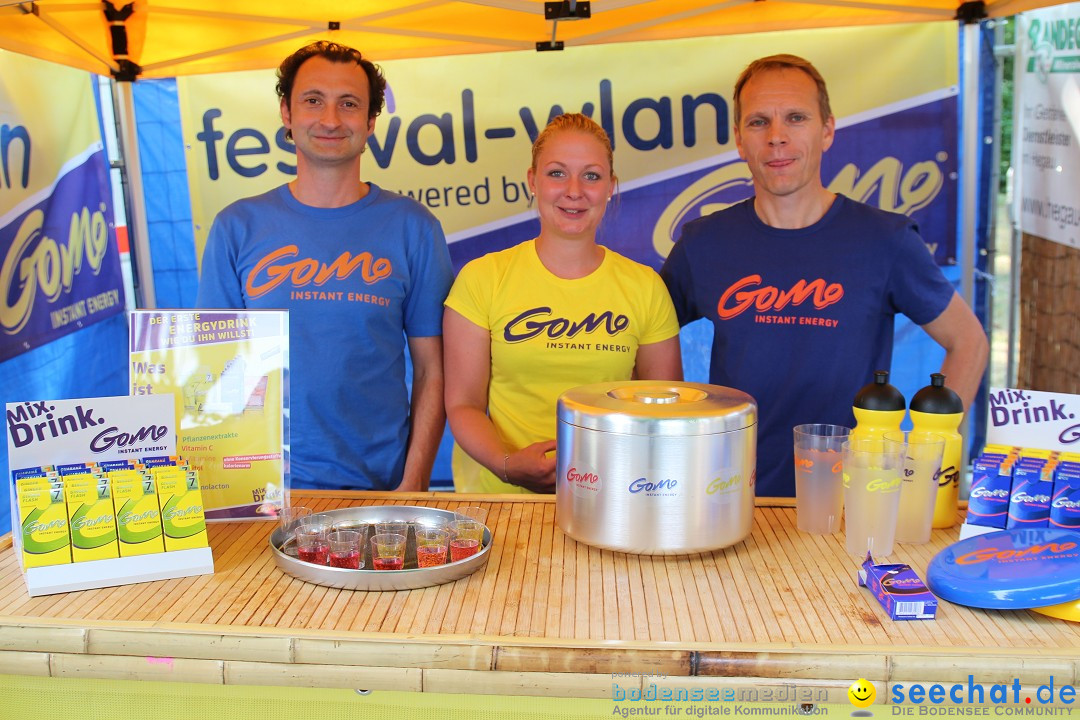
<point x="1044" y="551"/>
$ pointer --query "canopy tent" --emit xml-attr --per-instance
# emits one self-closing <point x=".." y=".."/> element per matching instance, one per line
<point x="168" y="38"/>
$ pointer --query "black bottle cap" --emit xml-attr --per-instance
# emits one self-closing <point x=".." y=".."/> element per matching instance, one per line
<point x="880" y="395"/>
<point x="936" y="399"/>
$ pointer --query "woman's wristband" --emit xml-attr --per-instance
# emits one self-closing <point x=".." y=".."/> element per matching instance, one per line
<point x="506" y="457"/>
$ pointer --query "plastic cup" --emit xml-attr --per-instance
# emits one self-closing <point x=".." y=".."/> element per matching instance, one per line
<point x="471" y="512"/>
<point x="392" y="527"/>
<point x="431" y="546"/>
<point x="872" y="469"/>
<point x="466" y="539"/>
<point x="312" y="544"/>
<point x="819" y="482"/>
<point x="919" y="484"/>
<point x="288" y="519"/>
<point x="388" y="551"/>
<point x="345" y="549"/>
<point x="435" y="522"/>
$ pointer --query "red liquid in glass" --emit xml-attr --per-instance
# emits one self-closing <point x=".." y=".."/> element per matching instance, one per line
<point x="315" y="554"/>
<point x="461" y="549"/>
<point x="430" y="555"/>
<point x="388" y="563"/>
<point x="347" y="559"/>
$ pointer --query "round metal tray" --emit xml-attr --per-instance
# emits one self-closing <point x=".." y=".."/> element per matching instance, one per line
<point x="409" y="578"/>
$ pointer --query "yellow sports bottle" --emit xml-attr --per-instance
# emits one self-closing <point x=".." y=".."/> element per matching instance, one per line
<point x="938" y="409"/>
<point x="878" y="407"/>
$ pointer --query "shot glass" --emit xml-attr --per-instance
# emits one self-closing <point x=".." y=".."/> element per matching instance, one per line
<point x="345" y="549"/>
<point x="388" y="551"/>
<point x="288" y="518"/>
<point x="392" y="527"/>
<point x="872" y="469"/>
<point x="471" y="512"/>
<point x="431" y="545"/>
<point x="465" y="539"/>
<point x="919" y="484"/>
<point x="819" y="483"/>
<point x="313" y="544"/>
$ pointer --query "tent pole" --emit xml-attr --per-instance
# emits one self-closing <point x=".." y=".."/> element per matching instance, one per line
<point x="124" y="99"/>
<point x="969" y="172"/>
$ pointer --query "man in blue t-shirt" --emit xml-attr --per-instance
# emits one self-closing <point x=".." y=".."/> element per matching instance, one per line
<point x="801" y="284"/>
<point x="360" y="269"/>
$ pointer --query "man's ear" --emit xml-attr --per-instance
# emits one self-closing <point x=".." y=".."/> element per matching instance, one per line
<point x="828" y="133"/>
<point x="286" y="116"/>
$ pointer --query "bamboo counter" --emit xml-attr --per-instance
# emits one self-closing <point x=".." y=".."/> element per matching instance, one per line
<point x="779" y="613"/>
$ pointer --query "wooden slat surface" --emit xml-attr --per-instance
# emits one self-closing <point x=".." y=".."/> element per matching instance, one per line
<point x="780" y="604"/>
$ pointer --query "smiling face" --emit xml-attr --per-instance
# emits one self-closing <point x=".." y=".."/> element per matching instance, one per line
<point x="572" y="181"/>
<point x="328" y="112"/>
<point x="781" y="134"/>
<point x="862" y="693"/>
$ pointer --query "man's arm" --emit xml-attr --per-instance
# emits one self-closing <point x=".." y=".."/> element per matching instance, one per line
<point x="966" y="349"/>
<point x="427" y="417"/>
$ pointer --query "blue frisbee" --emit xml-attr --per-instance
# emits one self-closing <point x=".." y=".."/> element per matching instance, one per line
<point x="1009" y="570"/>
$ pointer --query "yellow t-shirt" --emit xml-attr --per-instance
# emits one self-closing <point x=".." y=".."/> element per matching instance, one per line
<point x="548" y="335"/>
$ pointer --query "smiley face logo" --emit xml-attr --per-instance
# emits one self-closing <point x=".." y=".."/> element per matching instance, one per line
<point x="862" y="693"/>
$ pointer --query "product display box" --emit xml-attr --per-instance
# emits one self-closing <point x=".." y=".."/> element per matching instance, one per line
<point x="90" y="513"/>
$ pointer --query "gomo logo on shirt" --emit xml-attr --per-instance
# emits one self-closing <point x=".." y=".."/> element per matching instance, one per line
<point x="538" y="321"/>
<point x="277" y="267"/>
<point x="748" y="292"/>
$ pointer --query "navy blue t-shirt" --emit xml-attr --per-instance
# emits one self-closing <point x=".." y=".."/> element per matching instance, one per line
<point x="802" y="318"/>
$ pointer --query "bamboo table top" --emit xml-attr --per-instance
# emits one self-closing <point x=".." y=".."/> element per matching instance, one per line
<point x="780" y="604"/>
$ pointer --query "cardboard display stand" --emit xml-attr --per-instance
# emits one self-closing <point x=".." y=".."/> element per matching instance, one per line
<point x="55" y="432"/>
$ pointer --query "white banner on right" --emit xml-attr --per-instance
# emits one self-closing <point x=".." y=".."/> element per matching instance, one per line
<point x="1047" y="114"/>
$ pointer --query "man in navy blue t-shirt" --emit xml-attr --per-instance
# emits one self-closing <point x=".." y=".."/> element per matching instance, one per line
<point x="802" y="284"/>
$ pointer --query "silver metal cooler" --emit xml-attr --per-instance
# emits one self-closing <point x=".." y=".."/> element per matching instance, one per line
<point x="656" y="468"/>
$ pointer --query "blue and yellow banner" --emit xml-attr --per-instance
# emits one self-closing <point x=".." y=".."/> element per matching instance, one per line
<point x="59" y="263"/>
<point x="456" y="133"/>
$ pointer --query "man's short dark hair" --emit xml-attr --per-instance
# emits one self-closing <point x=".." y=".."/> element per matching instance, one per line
<point x="783" y="62"/>
<point x="334" y="53"/>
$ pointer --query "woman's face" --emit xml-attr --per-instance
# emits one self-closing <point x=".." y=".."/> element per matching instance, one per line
<point x="572" y="182"/>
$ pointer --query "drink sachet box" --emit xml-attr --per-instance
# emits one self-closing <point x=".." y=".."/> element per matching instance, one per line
<point x="182" y="517"/>
<point x="1029" y="501"/>
<point x="138" y="517"/>
<point x="43" y="522"/>
<point x="92" y="518"/>
<point x="1065" y="503"/>
<point x="991" y="490"/>
<point x="899" y="589"/>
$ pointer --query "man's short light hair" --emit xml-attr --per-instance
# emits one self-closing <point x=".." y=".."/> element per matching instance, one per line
<point x="783" y="62"/>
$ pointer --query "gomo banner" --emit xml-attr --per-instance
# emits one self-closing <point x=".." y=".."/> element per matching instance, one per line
<point x="59" y="263"/>
<point x="457" y="131"/>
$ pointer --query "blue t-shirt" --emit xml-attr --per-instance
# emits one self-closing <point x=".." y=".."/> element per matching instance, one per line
<point x="802" y="318"/>
<point x="356" y="280"/>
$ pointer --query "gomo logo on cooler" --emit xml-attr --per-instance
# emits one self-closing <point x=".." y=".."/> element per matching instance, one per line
<point x="649" y="488"/>
<point x="583" y="482"/>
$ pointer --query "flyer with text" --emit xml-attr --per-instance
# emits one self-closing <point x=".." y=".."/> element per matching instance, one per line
<point x="228" y="370"/>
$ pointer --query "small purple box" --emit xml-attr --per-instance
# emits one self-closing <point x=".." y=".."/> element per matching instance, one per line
<point x="988" y="503"/>
<point x="1029" y="502"/>
<point x="1065" y="504"/>
<point x="900" y="591"/>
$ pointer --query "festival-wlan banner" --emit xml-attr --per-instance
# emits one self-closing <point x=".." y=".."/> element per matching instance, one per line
<point x="1048" y="123"/>
<point x="228" y="371"/>
<point x="59" y="262"/>
<point x="457" y="131"/>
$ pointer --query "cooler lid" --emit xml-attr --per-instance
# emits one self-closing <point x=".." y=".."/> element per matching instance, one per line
<point x="650" y="407"/>
<point x="1009" y="570"/>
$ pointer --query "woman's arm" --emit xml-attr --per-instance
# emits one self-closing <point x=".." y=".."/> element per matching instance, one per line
<point x="467" y="369"/>
<point x="659" y="361"/>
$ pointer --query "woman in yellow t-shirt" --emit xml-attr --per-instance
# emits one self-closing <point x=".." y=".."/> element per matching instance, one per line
<point x="526" y="324"/>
